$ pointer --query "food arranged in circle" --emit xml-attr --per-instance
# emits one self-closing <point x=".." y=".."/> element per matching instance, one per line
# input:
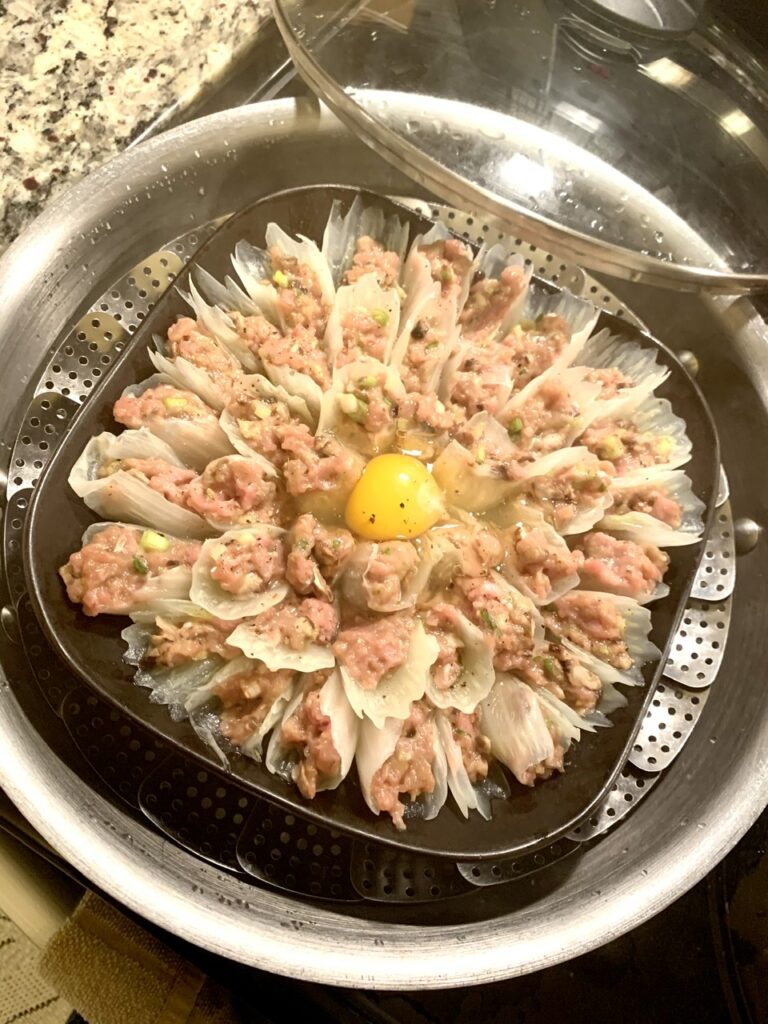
<point x="390" y="506"/>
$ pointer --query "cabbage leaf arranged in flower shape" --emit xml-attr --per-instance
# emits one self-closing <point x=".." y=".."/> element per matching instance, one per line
<point x="386" y="505"/>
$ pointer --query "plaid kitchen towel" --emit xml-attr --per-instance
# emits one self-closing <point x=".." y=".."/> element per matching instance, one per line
<point x="25" y="998"/>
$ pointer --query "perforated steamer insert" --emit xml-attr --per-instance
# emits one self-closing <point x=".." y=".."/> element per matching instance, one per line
<point x="209" y="812"/>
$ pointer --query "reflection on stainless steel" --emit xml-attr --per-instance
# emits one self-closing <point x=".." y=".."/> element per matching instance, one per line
<point x="713" y="791"/>
<point x="746" y="534"/>
<point x="634" y="131"/>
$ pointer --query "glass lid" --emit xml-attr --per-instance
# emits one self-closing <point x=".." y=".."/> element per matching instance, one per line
<point x="628" y="135"/>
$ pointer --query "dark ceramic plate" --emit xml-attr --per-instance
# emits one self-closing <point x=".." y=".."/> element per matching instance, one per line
<point x="92" y="647"/>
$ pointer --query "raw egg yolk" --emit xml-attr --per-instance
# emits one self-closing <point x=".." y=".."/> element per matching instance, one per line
<point x="396" y="497"/>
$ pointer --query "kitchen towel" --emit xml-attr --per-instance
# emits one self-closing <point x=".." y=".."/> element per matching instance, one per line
<point x="25" y="998"/>
<point x="115" y="972"/>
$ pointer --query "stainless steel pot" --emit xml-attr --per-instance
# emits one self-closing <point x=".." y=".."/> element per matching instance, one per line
<point x="706" y="800"/>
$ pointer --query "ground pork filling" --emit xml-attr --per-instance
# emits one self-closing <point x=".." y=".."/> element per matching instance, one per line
<point x="299" y="350"/>
<point x="621" y="566"/>
<point x="391" y="567"/>
<point x="593" y="623"/>
<point x="503" y="616"/>
<point x="409" y="768"/>
<point x="372" y="258"/>
<point x="531" y="349"/>
<point x="469" y="551"/>
<point x="309" y="732"/>
<point x="652" y="500"/>
<point x="169" y="480"/>
<point x="372" y="650"/>
<point x="450" y="261"/>
<point x="425" y="411"/>
<point x="447" y="669"/>
<point x="255" y="330"/>
<point x="267" y="426"/>
<point x="364" y="335"/>
<point x="564" y="495"/>
<point x="623" y="445"/>
<point x="557" y="670"/>
<point x="368" y="402"/>
<point x="234" y="491"/>
<point x="540" y="563"/>
<point x="194" y="640"/>
<point x="320" y="467"/>
<point x="163" y="402"/>
<point x="480" y="383"/>
<point x="300" y="299"/>
<point x="542" y="424"/>
<point x="109" y="573"/>
<point x="424" y="353"/>
<point x="248" y="563"/>
<point x="546" y="769"/>
<point x="474" y="746"/>
<point x="611" y="380"/>
<point x="489" y="301"/>
<point x="316" y="555"/>
<point x="188" y="340"/>
<point x="246" y="700"/>
<point x="297" y="624"/>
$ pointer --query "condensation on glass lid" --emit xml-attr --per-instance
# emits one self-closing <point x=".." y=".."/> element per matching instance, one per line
<point x="635" y="151"/>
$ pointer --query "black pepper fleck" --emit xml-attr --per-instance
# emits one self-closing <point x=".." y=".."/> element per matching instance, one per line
<point x="31" y="183"/>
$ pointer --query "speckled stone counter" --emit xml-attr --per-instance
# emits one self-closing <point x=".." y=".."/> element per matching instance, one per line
<point x="80" y="79"/>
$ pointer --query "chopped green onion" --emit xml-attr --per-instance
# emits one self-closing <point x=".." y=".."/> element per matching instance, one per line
<point x="140" y="565"/>
<point x="365" y="383"/>
<point x="514" y="426"/>
<point x="550" y="669"/>
<point x="480" y="454"/>
<point x="459" y="732"/>
<point x="281" y="279"/>
<point x="152" y="541"/>
<point x="381" y="316"/>
<point x="487" y="618"/>
<point x="446" y="275"/>
<point x="336" y="544"/>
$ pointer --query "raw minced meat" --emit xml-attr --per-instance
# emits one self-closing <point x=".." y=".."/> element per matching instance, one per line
<point x="248" y="563"/>
<point x="234" y="491"/>
<point x="163" y="402"/>
<point x="192" y="640"/>
<point x="169" y="480"/>
<point x="316" y="554"/>
<point x="308" y="731"/>
<point x="372" y="258"/>
<point x="649" y="499"/>
<point x="621" y="566"/>
<point x="108" y="574"/>
<point x="593" y="623"/>
<point x="373" y="649"/>
<point x="409" y="768"/>
<point x="188" y="340"/>
<point x="246" y="700"/>
<point x="298" y="623"/>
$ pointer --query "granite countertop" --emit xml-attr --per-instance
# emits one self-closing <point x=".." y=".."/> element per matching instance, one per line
<point x="80" y="79"/>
